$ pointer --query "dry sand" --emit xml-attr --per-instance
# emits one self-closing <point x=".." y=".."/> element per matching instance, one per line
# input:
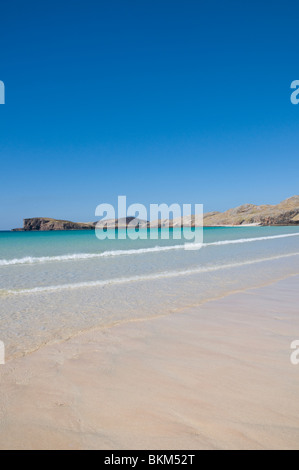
<point x="216" y="376"/>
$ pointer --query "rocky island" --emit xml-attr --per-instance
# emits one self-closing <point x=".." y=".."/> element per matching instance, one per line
<point x="44" y="224"/>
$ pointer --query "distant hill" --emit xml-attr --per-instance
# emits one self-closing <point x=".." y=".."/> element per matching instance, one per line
<point x="285" y="213"/>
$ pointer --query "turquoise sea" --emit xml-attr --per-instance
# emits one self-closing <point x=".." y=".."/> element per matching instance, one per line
<point x="56" y="284"/>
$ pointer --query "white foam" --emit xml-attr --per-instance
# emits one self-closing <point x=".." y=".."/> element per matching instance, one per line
<point x="47" y="259"/>
<point x="106" y="254"/>
<point x="250" y="240"/>
<point x="148" y="277"/>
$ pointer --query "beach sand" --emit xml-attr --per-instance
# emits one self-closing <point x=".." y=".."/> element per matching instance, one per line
<point x="217" y="376"/>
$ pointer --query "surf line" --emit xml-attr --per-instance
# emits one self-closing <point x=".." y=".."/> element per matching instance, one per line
<point x="149" y="277"/>
<point x="106" y="254"/>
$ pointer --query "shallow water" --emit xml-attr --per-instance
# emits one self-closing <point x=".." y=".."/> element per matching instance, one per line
<point x="55" y="284"/>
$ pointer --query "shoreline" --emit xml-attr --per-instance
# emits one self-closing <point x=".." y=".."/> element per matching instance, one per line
<point x="153" y="228"/>
<point x="180" y="310"/>
<point x="216" y="375"/>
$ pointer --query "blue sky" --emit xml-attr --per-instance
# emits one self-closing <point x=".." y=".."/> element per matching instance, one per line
<point x="162" y="101"/>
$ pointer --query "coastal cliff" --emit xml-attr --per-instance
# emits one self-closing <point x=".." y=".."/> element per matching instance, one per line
<point x="285" y="213"/>
<point x="43" y="224"/>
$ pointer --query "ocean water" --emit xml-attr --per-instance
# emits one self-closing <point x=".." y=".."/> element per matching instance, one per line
<point x="56" y="284"/>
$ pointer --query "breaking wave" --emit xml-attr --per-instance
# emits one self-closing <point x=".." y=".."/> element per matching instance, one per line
<point x="106" y="254"/>
<point x="148" y="277"/>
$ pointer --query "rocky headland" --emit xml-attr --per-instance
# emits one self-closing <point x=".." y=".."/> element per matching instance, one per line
<point x="284" y="213"/>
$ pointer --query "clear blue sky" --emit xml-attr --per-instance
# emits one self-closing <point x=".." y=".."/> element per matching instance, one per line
<point x="163" y="101"/>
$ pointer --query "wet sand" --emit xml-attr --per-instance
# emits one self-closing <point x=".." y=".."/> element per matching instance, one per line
<point x="217" y="376"/>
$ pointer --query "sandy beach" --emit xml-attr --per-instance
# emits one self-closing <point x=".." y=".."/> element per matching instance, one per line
<point x="217" y="376"/>
<point x="149" y="228"/>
